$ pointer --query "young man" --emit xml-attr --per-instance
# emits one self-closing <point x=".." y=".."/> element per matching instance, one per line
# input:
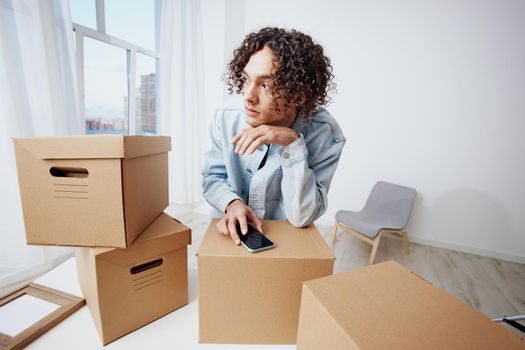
<point x="275" y="158"/>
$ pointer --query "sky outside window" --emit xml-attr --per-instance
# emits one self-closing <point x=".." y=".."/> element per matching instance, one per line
<point x="105" y="85"/>
<point x="84" y="13"/>
<point x="132" y="21"/>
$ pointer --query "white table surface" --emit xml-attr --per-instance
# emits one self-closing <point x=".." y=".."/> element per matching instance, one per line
<point x="177" y="330"/>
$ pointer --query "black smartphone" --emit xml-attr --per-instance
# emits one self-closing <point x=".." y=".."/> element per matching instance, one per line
<point x="254" y="241"/>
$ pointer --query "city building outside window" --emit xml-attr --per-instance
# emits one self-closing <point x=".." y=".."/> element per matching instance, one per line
<point x="116" y="43"/>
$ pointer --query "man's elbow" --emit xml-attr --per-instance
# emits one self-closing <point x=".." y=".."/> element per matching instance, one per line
<point x="300" y="223"/>
<point x="301" y="220"/>
<point x="306" y="213"/>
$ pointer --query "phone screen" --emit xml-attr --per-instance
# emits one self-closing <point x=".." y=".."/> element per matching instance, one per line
<point x="254" y="240"/>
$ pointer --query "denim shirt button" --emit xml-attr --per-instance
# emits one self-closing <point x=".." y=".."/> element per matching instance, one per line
<point x="286" y="155"/>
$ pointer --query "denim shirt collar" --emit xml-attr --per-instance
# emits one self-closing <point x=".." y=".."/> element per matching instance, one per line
<point x="300" y="125"/>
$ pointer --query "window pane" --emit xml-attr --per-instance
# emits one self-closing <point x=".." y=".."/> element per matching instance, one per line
<point x="105" y="88"/>
<point x="84" y="12"/>
<point x="132" y="21"/>
<point x="146" y="107"/>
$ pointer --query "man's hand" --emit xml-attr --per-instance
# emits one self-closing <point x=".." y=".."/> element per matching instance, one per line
<point x="238" y="212"/>
<point x="250" y="138"/>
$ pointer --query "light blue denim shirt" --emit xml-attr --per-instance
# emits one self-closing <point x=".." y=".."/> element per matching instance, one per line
<point x="293" y="183"/>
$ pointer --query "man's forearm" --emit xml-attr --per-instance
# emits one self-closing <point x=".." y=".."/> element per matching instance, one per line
<point x="304" y="199"/>
<point x="305" y="187"/>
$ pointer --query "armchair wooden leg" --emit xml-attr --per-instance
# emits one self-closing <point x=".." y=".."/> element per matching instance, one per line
<point x="406" y="247"/>
<point x="375" y="245"/>
<point x="334" y="234"/>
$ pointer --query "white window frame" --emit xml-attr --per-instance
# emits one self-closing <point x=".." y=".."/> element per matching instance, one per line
<point x="131" y="49"/>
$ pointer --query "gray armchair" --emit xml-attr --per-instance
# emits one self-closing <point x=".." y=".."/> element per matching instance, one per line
<point x="387" y="210"/>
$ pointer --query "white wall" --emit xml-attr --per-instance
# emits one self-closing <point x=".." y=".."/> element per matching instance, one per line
<point x="431" y="94"/>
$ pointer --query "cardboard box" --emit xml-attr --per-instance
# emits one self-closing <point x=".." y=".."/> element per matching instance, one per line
<point x="386" y="306"/>
<point x="98" y="190"/>
<point x="126" y="289"/>
<point x="247" y="298"/>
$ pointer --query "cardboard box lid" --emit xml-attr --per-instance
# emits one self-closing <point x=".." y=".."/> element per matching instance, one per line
<point x="165" y="234"/>
<point x="94" y="146"/>
<point x="386" y="306"/>
<point x="290" y="241"/>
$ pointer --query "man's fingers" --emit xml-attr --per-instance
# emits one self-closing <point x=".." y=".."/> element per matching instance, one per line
<point x="255" y="144"/>
<point x="257" y="223"/>
<point x="244" y="224"/>
<point x="240" y="142"/>
<point x="238" y="136"/>
<point x="221" y="226"/>
<point x="247" y="138"/>
<point x="252" y="137"/>
<point x="233" y="231"/>
<point x="247" y="142"/>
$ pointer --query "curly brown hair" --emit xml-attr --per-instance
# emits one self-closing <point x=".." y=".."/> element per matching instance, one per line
<point x="303" y="75"/>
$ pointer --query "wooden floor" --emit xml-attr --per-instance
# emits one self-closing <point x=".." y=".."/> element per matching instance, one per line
<point x="494" y="287"/>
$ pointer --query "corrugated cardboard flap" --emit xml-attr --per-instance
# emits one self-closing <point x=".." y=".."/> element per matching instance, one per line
<point x="139" y="146"/>
<point x="164" y="235"/>
<point x="94" y="146"/>
<point x="291" y="242"/>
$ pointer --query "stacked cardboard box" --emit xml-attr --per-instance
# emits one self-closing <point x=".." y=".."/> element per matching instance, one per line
<point x="128" y="288"/>
<point x="105" y="195"/>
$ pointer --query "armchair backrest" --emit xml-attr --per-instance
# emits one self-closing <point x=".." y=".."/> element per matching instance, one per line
<point x="391" y="203"/>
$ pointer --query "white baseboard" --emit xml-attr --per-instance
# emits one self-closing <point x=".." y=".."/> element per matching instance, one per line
<point x="453" y="246"/>
<point x="472" y="250"/>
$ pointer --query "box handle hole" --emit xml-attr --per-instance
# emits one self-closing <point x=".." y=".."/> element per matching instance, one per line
<point x="68" y="172"/>
<point x="146" y="266"/>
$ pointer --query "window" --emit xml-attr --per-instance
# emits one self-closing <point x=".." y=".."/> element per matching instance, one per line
<point x="105" y="87"/>
<point x="116" y="42"/>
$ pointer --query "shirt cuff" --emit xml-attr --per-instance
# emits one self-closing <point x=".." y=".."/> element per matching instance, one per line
<point x="295" y="152"/>
<point x="227" y="199"/>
